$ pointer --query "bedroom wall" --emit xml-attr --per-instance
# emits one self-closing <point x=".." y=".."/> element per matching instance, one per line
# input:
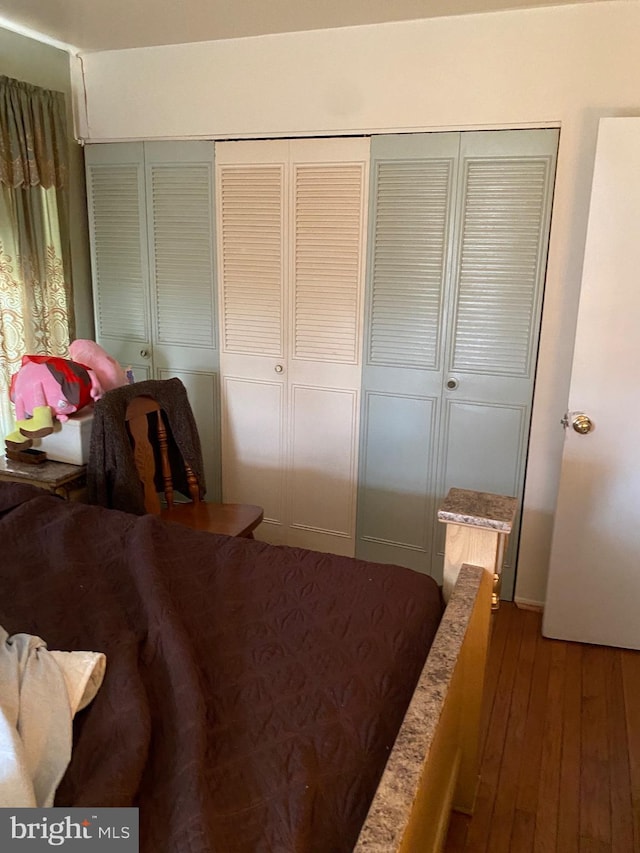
<point x="563" y="66"/>
<point x="47" y="66"/>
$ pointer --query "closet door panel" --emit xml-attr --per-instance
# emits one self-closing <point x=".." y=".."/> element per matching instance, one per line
<point x="291" y="217"/>
<point x="457" y="257"/>
<point x="253" y="449"/>
<point x="413" y="181"/>
<point x="323" y="466"/>
<point x="118" y="238"/>
<point x="327" y="226"/>
<point x="250" y="208"/>
<point x="409" y="255"/>
<point x="503" y="219"/>
<point x="180" y="216"/>
<point x="180" y="237"/>
<point x="393" y="522"/>
<point x="505" y="206"/>
<point x="327" y="258"/>
<point x="499" y="430"/>
<point x="151" y="218"/>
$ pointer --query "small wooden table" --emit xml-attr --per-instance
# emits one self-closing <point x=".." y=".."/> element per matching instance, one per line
<point x="60" y="478"/>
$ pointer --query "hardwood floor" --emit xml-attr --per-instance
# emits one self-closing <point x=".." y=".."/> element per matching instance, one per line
<point x="560" y="767"/>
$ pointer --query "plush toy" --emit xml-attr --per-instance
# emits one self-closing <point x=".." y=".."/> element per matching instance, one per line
<point x="47" y="387"/>
<point x="105" y="368"/>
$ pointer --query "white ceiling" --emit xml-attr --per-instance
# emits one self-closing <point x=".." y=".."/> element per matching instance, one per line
<point x="112" y="24"/>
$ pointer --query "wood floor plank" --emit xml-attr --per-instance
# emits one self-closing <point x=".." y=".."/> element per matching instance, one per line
<point x="569" y="811"/>
<point x="532" y="754"/>
<point x="507" y="791"/>
<point x="546" y="827"/>
<point x="595" y="809"/>
<point x="630" y="665"/>
<point x="619" y="773"/>
<point x="522" y="835"/>
<point x="590" y="845"/>
<point x="501" y="622"/>
<point x="480" y="827"/>
<point x="560" y="769"/>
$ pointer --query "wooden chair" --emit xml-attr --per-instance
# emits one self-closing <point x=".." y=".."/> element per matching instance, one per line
<point x="227" y="518"/>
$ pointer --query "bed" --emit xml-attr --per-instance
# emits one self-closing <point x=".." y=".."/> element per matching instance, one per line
<point x="256" y="698"/>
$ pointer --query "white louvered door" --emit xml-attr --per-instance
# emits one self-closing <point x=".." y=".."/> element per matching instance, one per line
<point x="291" y="221"/>
<point x="151" y="216"/>
<point x="251" y="180"/>
<point x="457" y="254"/>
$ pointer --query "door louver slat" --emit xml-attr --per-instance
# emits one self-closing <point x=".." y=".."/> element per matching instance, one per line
<point x="121" y="288"/>
<point x="251" y="239"/>
<point x="499" y="258"/>
<point x="327" y="257"/>
<point x="182" y="253"/>
<point x="412" y="212"/>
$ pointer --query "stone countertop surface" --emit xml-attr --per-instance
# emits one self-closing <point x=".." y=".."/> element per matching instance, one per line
<point x="49" y="472"/>
<point x="393" y="801"/>
<point x="479" y="509"/>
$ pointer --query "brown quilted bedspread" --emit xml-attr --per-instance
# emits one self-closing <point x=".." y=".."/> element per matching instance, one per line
<point x="252" y="692"/>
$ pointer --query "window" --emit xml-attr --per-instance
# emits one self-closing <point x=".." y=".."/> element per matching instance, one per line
<point x="35" y="290"/>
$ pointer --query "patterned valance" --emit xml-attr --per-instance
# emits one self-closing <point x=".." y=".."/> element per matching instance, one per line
<point x="33" y="136"/>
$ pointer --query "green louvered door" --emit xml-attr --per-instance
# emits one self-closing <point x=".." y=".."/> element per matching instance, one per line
<point x="119" y="257"/>
<point x="151" y="215"/>
<point x="458" y="237"/>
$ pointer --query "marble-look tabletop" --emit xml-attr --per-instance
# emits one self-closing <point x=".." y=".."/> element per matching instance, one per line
<point x="478" y="509"/>
<point x="394" y="798"/>
<point x="49" y="472"/>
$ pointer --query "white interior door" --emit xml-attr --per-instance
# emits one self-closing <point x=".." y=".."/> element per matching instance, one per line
<point x="593" y="591"/>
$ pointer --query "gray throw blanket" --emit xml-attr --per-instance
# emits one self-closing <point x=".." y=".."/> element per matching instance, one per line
<point x="112" y="478"/>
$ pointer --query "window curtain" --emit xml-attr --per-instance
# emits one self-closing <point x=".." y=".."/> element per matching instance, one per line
<point x="35" y="288"/>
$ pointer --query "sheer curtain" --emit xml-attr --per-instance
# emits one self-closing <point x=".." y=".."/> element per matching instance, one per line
<point x="35" y="289"/>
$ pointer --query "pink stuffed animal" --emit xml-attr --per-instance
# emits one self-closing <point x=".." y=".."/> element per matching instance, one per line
<point x="105" y="368"/>
<point x="49" y="386"/>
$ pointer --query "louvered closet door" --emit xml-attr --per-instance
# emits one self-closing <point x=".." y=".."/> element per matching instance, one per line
<point x="413" y="186"/>
<point x="328" y="189"/>
<point x="119" y="258"/>
<point x="290" y="237"/>
<point x="180" y="217"/>
<point x="151" y="220"/>
<point x="250" y="211"/>
<point x="498" y="216"/>
<point x="503" y="220"/>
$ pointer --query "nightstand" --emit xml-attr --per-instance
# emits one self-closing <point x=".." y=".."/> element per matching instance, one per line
<point x="60" y="478"/>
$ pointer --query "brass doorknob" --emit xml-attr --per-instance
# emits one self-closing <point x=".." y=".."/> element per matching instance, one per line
<point x="582" y="424"/>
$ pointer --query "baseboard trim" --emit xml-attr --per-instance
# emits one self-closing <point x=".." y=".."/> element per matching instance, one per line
<point x="527" y="604"/>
